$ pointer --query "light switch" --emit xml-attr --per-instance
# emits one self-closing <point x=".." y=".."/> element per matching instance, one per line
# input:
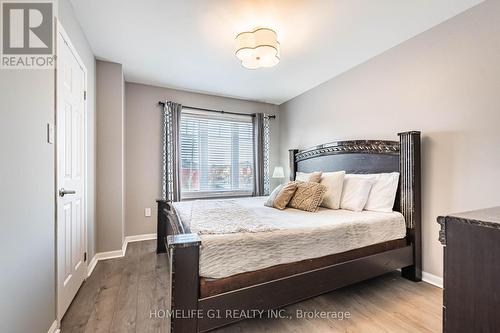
<point x="147" y="212"/>
<point x="50" y="133"/>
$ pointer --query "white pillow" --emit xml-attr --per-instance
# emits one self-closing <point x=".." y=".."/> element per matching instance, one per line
<point x="383" y="192"/>
<point x="355" y="193"/>
<point x="334" y="181"/>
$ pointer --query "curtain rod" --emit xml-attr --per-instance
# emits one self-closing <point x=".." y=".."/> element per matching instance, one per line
<point x="218" y="111"/>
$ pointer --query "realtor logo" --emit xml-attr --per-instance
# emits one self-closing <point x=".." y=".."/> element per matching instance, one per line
<point x="27" y="34"/>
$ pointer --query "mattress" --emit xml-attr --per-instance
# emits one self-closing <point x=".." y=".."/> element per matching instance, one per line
<point x="279" y="237"/>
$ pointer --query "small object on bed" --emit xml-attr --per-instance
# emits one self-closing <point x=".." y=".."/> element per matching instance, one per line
<point x="308" y="196"/>
<point x="283" y="196"/>
<point x="270" y="199"/>
<point x="355" y="193"/>
<point x="334" y="182"/>
<point x="314" y="177"/>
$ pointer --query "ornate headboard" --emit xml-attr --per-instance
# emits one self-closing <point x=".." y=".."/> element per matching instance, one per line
<point x="373" y="156"/>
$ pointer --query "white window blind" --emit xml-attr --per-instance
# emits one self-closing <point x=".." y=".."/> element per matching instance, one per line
<point x="217" y="156"/>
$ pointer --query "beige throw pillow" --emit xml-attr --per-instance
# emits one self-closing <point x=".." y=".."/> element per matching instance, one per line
<point x="270" y="200"/>
<point x="308" y="176"/>
<point x="308" y="196"/>
<point x="334" y="181"/>
<point x="284" y="195"/>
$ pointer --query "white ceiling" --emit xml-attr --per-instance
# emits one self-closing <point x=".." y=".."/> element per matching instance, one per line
<point x="189" y="44"/>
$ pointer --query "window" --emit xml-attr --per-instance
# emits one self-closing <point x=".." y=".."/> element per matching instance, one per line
<point x="216" y="155"/>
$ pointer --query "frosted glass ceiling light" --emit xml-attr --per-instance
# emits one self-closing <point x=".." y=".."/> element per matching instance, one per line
<point x="258" y="48"/>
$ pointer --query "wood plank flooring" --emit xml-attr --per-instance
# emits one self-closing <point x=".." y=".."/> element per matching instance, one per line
<point x="123" y="294"/>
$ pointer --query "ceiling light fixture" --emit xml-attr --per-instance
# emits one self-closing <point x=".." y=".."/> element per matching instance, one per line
<point x="258" y="48"/>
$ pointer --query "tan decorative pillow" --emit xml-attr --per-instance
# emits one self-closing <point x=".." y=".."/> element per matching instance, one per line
<point x="285" y="194"/>
<point x="308" y="196"/>
<point x="270" y="200"/>
<point x="314" y="177"/>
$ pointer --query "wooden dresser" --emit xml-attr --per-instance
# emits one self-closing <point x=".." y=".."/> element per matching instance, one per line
<point x="471" y="243"/>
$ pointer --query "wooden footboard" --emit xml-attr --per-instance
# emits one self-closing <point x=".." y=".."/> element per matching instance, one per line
<point x="183" y="250"/>
<point x="161" y="227"/>
<point x="183" y="253"/>
<point x="168" y="223"/>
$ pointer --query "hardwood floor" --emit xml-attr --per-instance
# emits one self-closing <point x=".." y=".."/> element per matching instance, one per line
<point x="123" y="294"/>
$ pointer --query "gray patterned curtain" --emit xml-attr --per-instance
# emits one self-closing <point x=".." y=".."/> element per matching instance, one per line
<point x="261" y="154"/>
<point x="171" y="118"/>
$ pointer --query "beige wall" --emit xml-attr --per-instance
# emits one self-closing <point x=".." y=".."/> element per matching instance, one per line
<point x="143" y="149"/>
<point x="444" y="82"/>
<point x="110" y="156"/>
<point x="27" y="238"/>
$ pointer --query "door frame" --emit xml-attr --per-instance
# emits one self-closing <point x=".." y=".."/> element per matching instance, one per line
<point x="59" y="30"/>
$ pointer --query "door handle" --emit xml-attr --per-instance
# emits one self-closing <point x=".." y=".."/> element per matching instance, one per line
<point x="63" y="192"/>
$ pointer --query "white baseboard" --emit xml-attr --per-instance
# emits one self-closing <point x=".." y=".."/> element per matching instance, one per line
<point x="432" y="279"/>
<point x="138" y="238"/>
<point x="91" y="265"/>
<point x="117" y="253"/>
<point x="111" y="254"/>
<point x="53" y="328"/>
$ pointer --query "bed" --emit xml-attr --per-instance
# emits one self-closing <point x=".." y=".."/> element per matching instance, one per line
<point x="273" y="258"/>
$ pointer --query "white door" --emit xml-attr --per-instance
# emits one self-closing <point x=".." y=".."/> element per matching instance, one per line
<point x="70" y="174"/>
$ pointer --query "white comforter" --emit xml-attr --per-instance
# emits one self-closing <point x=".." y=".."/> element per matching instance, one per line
<point x="266" y="236"/>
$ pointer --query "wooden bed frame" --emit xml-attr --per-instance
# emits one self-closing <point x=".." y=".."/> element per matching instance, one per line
<point x="193" y="310"/>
